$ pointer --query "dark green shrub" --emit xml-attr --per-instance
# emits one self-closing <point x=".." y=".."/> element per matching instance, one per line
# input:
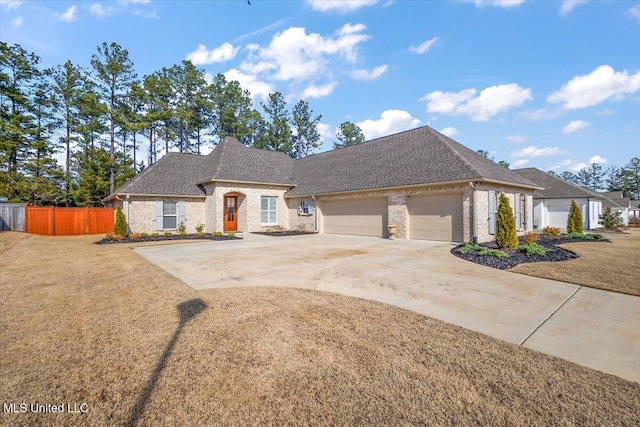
<point x="492" y="252"/>
<point x="574" y="222"/>
<point x="610" y="219"/>
<point x="593" y="236"/>
<point x="465" y="248"/>
<point x="120" y="227"/>
<point x="182" y="229"/>
<point x="506" y="236"/>
<point x="551" y="231"/>
<point x="533" y="249"/>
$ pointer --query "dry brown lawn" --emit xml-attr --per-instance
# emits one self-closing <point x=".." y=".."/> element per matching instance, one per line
<point x="612" y="266"/>
<point x="82" y="323"/>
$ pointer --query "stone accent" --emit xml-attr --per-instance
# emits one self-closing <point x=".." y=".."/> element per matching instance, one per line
<point x="141" y="211"/>
<point x="397" y="213"/>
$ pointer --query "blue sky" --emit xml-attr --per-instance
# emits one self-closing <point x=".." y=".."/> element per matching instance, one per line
<point x="549" y="84"/>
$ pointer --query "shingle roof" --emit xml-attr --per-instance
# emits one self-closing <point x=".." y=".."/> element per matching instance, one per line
<point x="554" y="188"/>
<point x="417" y="156"/>
<point x="232" y="161"/>
<point x="174" y="174"/>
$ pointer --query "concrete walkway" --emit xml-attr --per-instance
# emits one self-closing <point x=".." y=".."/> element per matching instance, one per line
<point x="595" y="328"/>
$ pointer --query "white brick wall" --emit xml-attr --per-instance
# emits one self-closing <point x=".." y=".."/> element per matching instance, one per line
<point x="140" y="213"/>
<point x="482" y="210"/>
<point x="298" y="221"/>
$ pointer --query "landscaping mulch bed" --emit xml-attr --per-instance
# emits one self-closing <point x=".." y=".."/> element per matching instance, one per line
<point x="515" y="257"/>
<point x="162" y="238"/>
<point x="283" y="233"/>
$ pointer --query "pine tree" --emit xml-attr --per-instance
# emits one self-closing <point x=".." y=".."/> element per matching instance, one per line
<point x="278" y="124"/>
<point x="120" y="227"/>
<point x="506" y="236"/>
<point x="307" y="137"/>
<point x="574" y="222"/>
<point x="348" y="134"/>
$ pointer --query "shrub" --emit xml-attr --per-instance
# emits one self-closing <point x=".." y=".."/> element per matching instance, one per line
<point x="217" y="233"/>
<point x="533" y="249"/>
<point x="574" y="222"/>
<point x="156" y="234"/>
<point x="551" y="231"/>
<point x="574" y="235"/>
<point x="531" y="237"/>
<point x="120" y="226"/>
<point x="168" y="233"/>
<point x="610" y="219"/>
<point x="200" y="229"/>
<point x="109" y="236"/>
<point x="492" y="252"/>
<point x="593" y="236"/>
<point x="506" y="236"/>
<point x="231" y="235"/>
<point x="118" y="237"/>
<point x="465" y="248"/>
<point x="134" y="236"/>
<point x="143" y="234"/>
<point x="182" y="229"/>
<point x="634" y="220"/>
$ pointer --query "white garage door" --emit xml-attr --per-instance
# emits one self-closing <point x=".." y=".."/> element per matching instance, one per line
<point x="436" y="217"/>
<point x="558" y="214"/>
<point x="358" y="217"/>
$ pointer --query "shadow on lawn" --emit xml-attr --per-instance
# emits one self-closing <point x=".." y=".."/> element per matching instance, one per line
<point x="187" y="310"/>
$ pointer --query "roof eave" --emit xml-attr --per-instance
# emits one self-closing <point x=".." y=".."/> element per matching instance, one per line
<point x="115" y="196"/>
<point x="291" y="185"/>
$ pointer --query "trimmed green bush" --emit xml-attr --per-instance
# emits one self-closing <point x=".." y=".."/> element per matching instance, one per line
<point x="506" y="236"/>
<point x="465" y="248"/>
<point x="610" y="219"/>
<point x="120" y="227"/>
<point x="574" y="222"/>
<point x="492" y="252"/>
<point x="533" y="249"/>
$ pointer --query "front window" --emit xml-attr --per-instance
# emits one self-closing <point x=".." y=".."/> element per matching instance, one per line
<point x="305" y="207"/>
<point x="269" y="210"/>
<point x="169" y="215"/>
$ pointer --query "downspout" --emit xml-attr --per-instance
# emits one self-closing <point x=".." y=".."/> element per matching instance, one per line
<point x="588" y="214"/>
<point x="474" y="215"/>
<point x="315" y="219"/>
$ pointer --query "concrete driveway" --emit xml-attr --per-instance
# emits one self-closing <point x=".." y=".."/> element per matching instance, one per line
<point x="591" y="327"/>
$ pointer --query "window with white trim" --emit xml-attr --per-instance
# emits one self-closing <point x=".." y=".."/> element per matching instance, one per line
<point x="268" y="210"/>
<point x="305" y="208"/>
<point x="169" y="215"/>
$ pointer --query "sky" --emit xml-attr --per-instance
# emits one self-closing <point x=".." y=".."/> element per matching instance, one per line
<point x="550" y="84"/>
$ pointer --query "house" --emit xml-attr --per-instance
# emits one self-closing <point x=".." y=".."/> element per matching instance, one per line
<point x="551" y="203"/>
<point x="634" y="209"/>
<point x="421" y="181"/>
<point x="617" y="203"/>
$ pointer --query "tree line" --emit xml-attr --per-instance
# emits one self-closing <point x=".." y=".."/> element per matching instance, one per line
<point x="99" y="116"/>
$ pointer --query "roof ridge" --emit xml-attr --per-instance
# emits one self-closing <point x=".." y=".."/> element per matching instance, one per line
<point x="444" y="139"/>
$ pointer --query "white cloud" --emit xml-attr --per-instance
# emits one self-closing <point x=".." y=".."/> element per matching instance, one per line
<point x="325" y="131"/>
<point x="134" y="1"/>
<point x="541" y="114"/>
<point x="516" y="138"/>
<point x="424" y="47"/>
<point x="314" y="91"/>
<point x="369" y="75"/>
<point x="17" y="22"/>
<point x="601" y="84"/>
<point x="222" y="53"/>
<point x="597" y="159"/>
<point x="533" y="151"/>
<point x="569" y="5"/>
<point x="10" y="4"/>
<point x="450" y="131"/>
<point x="575" y="126"/>
<point x="491" y="101"/>
<point x="520" y="162"/>
<point x="605" y="112"/>
<point x="339" y="5"/>
<point x="99" y="11"/>
<point x="298" y="55"/>
<point x="68" y="16"/>
<point x="498" y="3"/>
<point x="390" y="121"/>
<point x="634" y="12"/>
<point x="250" y="83"/>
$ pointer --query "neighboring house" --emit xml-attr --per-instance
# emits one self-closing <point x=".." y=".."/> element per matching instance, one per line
<point x="634" y="209"/>
<point x="617" y="203"/>
<point x="426" y="184"/>
<point x="551" y="203"/>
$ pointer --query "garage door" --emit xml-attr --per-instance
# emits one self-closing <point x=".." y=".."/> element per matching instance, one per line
<point x="435" y="217"/>
<point x="558" y="214"/>
<point x="358" y="217"/>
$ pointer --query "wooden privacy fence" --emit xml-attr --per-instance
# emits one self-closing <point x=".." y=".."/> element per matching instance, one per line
<point x="12" y="216"/>
<point x="51" y="221"/>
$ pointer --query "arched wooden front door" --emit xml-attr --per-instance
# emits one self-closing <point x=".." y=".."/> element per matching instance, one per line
<point x="230" y="213"/>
